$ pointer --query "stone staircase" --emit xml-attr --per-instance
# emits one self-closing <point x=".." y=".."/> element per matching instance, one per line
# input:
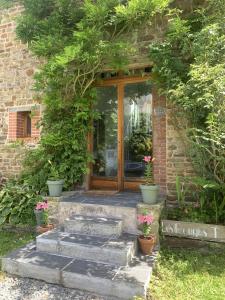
<point x="92" y="254"/>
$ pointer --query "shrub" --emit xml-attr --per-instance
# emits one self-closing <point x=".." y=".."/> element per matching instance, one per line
<point x="17" y="202"/>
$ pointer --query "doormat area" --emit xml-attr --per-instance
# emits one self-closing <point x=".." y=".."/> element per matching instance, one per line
<point x="100" y="192"/>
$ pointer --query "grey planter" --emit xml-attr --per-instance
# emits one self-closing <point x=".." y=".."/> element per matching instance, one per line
<point x="149" y="193"/>
<point x="39" y="217"/>
<point x="55" y="187"/>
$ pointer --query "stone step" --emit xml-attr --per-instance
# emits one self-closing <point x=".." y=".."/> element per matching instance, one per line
<point x="99" y="278"/>
<point x="102" y="249"/>
<point x="96" y="226"/>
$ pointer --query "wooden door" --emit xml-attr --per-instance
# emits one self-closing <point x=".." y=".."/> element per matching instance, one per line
<point x="120" y="140"/>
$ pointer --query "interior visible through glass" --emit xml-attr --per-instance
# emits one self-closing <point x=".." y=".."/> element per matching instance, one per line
<point x="105" y="133"/>
<point x="137" y="127"/>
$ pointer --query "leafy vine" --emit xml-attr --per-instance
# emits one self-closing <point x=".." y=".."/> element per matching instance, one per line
<point x="77" y="40"/>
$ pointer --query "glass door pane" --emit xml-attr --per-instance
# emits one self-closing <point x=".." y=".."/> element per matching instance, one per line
<point x="105" y="133"/>
<point x="137" y="127"/>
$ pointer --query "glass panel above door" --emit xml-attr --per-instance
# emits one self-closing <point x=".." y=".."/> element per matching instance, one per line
<point x="137" y="127"/>
<point x="105" y="133"/>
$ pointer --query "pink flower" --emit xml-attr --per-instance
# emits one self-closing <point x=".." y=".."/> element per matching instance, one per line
<point x="42" y="205"/>
<point x="141" y="219"/>
<point x="147" y="158"/>
<point x="39" y="206"/>
<point x="145" y="219"/>
<point x="149" y="219"/>
<point x="45" y="205"/>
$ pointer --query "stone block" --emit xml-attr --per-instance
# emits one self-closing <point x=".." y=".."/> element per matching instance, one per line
<point x="105" y="279"/>
<point x="118" y="251"/>
<point x="108" y="280"/>
<point x="38" y="265"/>
<point x="100" y="226"/>
<point x="154" y="209"/>
<point x="9" y="262"/>
<point x="200" y="231"/>
<point x="127" y="214"/>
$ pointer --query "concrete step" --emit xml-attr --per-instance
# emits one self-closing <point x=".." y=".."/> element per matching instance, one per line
<point x="96" y="226"/>
<point x="101" y="249"/>
<point x="99" y="278"/>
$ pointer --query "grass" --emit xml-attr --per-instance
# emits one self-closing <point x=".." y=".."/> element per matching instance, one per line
<point x="10" y="241"/>
<point x="188" y="275"/>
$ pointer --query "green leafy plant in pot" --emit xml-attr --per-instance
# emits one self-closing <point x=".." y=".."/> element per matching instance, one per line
<point x="146" y="239"/>
<point x="149" y="190"/>
<point x="41" y="213"/>
<point x="55" y="183"/>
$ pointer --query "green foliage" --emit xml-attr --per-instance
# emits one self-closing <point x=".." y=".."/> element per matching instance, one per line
<point x="140" y="141"/>
<point x="149" y="173"/>
<point x="209" y="204"/>
<point x="10" y="241"/>
<point x="76" y="39"/>
<point x="190" y="70"/>
<point x="187" y="274"/>
<point x="54" y="174"/>
<point x="181" y="191"/>
<point x="42" y="217"/>
<point x="17" y="202"/>
<point x="7" y="3"/>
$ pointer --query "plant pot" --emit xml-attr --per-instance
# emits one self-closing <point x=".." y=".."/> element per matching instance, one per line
<point x="55" y="187"/>
<point x="44" y="228"/>
<point x="146" y="244"/>
<point x="39" y="214"/>
<point x="149" y="193"/>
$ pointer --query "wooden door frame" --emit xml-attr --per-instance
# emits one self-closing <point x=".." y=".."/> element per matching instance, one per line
<point x="100" y="182"/>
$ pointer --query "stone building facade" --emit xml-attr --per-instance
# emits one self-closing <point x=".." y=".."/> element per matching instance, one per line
<point x="17" y="67"/>
<point x="18" y="131"/>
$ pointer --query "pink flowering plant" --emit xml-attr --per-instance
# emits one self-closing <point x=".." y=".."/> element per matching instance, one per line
<point x="146" y="221"/>
<point x="42" y="209"/>
<point x="149" y="169"/>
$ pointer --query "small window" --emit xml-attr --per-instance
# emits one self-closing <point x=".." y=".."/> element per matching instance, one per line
<point x="24" y="124"/>
<point x="27" y="124"/>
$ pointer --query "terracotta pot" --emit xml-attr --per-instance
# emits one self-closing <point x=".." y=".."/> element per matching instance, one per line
<point x="146" y="244"/>
<point x="44" y="228"/>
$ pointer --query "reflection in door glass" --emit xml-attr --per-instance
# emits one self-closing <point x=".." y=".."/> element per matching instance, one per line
<point x="105" y="133"/>
<point x="137" y="127"/>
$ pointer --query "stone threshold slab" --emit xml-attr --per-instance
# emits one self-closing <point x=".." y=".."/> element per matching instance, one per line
<point x="199" y="231"/>
<point x="120" y="199"/>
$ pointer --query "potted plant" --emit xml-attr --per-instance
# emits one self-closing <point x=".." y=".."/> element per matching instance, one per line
<point x="41" y="213"/>
<point x="146" y="239"/>
<point x="149" y="190"/>
<point x="55" y="183"/>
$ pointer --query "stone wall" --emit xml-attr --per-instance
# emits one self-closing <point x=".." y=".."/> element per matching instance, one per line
<point x="17" y="68"/>
<point x="159" y="141"/>
<point x="177" y="161"/>
<point x="11" y="157"/>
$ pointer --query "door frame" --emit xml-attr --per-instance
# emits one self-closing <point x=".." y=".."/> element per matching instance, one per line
<point x="117" y="183"/>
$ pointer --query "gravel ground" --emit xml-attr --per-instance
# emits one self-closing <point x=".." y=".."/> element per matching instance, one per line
<point x="14" y="288"/>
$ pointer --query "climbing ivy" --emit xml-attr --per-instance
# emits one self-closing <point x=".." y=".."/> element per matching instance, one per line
<point x="76" y="40"/>
<point x="189" y="67"/>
